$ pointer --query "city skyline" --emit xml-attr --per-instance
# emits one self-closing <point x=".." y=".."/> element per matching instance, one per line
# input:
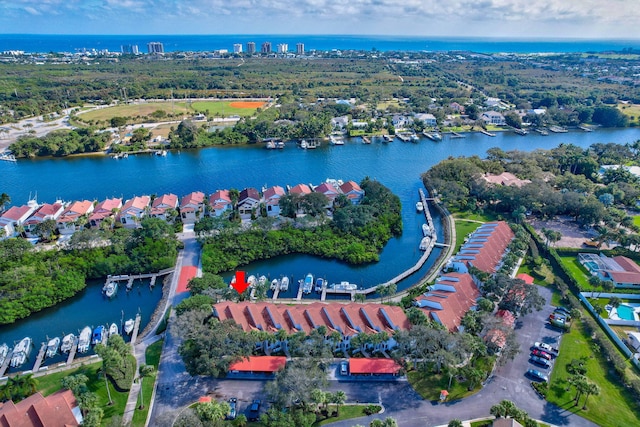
<point x="462" y="18"/>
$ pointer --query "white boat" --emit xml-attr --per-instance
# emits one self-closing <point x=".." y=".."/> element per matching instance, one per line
<point x="252" y="280"/>
<point x="344" y="286"/>
<point x="304" y="145"/>
<point x="307" y="286"/>
<point x="21" y="352"/>
<point x="388" y="138"/>
<point x="162" y="153"/>
<point x="419" y="207"/>
<point x="110" y="289"/>
<point x="320" y="283"/>
<point x="52" y="346"/>
<point x="333" y="140"/>
<point x="67" y="343"/>
<point x="426" y="230"/>
<point x="275" y="284"/>
<point x="280" y="145"/>
<point x="262" y="281"/>
<point x="414" y="137"/>
<point x="4" y="350"/>
<point x="113" y="330"/>
<point x="424" y="243"/>
<point x="284" y="283"/>
<point x="7" y="157"/>
<point x="366" y="140"/>
<point x="85" y="340"/>
<point x="128" y="326"/>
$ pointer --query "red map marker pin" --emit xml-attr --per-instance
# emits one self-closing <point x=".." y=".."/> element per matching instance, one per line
<point x="239" y="284"/>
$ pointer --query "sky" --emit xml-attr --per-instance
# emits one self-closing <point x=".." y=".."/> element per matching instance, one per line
<point x="468" y="18"/>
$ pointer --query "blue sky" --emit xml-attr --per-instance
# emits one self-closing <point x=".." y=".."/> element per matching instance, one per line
<point x="481" y="18"/>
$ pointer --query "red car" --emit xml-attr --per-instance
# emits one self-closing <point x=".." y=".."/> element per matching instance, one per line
<point x="542" y="354"/>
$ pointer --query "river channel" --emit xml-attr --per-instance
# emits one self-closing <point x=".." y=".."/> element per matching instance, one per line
<point x="397" y="165"/>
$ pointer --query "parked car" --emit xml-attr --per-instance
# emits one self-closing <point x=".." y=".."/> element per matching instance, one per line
<point x="536" y="360"/>
<point x="541" y="353"/>
<point x="536" y="375"/>
<point x="233" y="405"/>
<point x="254" y="410"/>
<point x="564" y="310"/>
<point x="546" y="347"/>
<point x="344" y="368"/>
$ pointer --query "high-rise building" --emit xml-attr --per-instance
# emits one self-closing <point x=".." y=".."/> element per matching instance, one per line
<point x="283" y="48"/>
<point x="300" y="49"/>
<point x="266" y="47"/>
<point x="155" y="47"/>
<point x="129" y="49"/>
<point x="237" y="48"/>
<point x="251" y="48"/>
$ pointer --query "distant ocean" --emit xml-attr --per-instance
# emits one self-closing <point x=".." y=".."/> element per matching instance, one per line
<point x="172" y="43"/>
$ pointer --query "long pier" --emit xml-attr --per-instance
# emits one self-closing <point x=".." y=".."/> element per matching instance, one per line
<point x="484" y="132"/>
<point x="40" y="358"/>
<point x="5" y="365"/>
<point x="134" y="334"/>
<point x="72" y="352"/>
<point x="457" y="135"/>
<point x="129" y="278"/>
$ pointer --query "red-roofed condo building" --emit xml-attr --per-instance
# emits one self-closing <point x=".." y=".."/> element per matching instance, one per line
<point x="449" y="299"/>
<point x="45" y="212"/>
<point x="219" y="203"/>
<point x="352" y="190"/>
<point x="271" y="197"/>
<point x="71" y="219"/>
<point x="485" y="248"/>
<point x="107" y="208"/>
<point x="248" y="203"/>
<point x="161" y="206"/>
<point x="347" y="319"/>
<point x="56" y="410"/>
<point x="133" y="211"/>
<point x="192" y="207"/>
<point x="622" y="271"/>
<point x="14" y="216"/>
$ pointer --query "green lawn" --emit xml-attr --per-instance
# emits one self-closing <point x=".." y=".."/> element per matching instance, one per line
<point x="463" y="228"/>
<point x="152" y="357"/>
<point x="632" y="111"/>
<point x="636" y="220"/>
<point x="429" y="386"/>
<point x="613" y="407"/>
<point x="577" y="270"/>
<point x="133" y="110"/>
<point x="51" y="383"/>
<point x="221" y="108"/>
<point x="347" y="412"/>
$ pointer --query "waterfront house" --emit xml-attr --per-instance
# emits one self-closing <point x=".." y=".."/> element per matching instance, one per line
<point x="449" y="299"/>
<point x="44" y="212"/>
<point x="219" y="203"/>
<point x="428" y="119"/>
<point x="133" y="211"/>
<point x="192" y="207"/>
<point x="400" y="122"/>
<point x="74" y="217"/>
<point x="107" y="208"/>
<point x="348" y="320"/>
<point x="248" y="203"/>
<point x="328" y="190"/>
<point x="505" y="178"/>
<point x="13" y="218"/>
<point x="58" y="409"/>
<point x="352" y="190"/>
<point x="339" y="123"/>
<point x="484" y="249"/>
<point x="456" y="107"/>
<point x="161" y="206"/>
<point x="622" y="271"/>
<point x="299" y="191"/>
<point x="493" y="118"/>
<point x="271" y="197"/>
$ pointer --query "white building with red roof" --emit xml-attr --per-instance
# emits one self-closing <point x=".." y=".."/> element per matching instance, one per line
<point x="352" y="190"/>
<point x="44" y="212"/>
<point x="447" y="301"/>
<point x="328" y="190"/>
<point x="133" y="211"/>
<point x="622" y="271"/>
<point x="58" y="409"/>
<point x="219" y="203"/>
<point x="484" y="248"/>
<point x="14" y="217"/>
<point x="347" y="319"/>
<point x="192" y="207"/>
<point x="72" y="218"/>
<point x="271" y="197"/>
<point x="248" y="203"/>
<point x="107" y="208"/>
<point x="300" y="190"/>
<point x="162" y="204"/>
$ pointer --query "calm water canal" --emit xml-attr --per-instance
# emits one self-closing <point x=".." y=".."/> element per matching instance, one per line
<point x="397" y="165"/>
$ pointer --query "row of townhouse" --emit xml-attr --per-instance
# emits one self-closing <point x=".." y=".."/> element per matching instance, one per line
<point x="456" y="292"/>
<point x="348" y="320"/>
<point x="70" y="217"/>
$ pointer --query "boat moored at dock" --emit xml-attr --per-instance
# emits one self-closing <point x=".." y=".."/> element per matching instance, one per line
<point x="67" y="343"/>
<point x="4" y="351"/>
<point x="284" y="283"/>
<point x="52" y="347"/>
<point x="307" y="284"/>
<point x="419" y="207"/>
<point x="424" y="243"/>
<point x="320" y="284"/>
<point x="128" y="326"/>
<point x="110" y="289"/>
<point x="113" y="330"/>
<point x="84" y="340"/>
<point x="275" y="284"/>
<point x="21" y="352"/>
<point x="98" y="335"/>
<point x="344" y="286"/>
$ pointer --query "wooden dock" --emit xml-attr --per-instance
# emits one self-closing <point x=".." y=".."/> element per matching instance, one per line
<point x="136" y="328"/>
<point x="299" y="296"/>
<point x="457" y="135"/>
<point x="129" y="278"/>
<point x="276" y="292"/>
<point x="484" y="132"/>
<point x="72" y="352"/>
<point x="5" y="365"/>
<point x="40" y="358"/>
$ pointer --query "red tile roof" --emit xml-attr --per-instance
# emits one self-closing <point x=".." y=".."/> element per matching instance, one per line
<point x="300" y="189"/>
<point x="328" y="190"/>
<point x="373" y="366"/>
<point x="166" y="200"/>
<point x="525" y="278"/>
<point x="260" y="364"/>
<point x="348" y="319"/>
<point x="507" y="317"/>
<point x="449" y="307"/>
<point x="486" y="246"/>
<point x="220" y="195"/>
<point x="275" y="191"/>
<point x="194" y="198"/>
<point x="350" y="186"/>
<point x="44" y="212"/>
<point x="37" y="411"/>
<point x="15" y="213"/>
<point x="105" y="209"/>
<point x="628" y="264"/>
<point x="75" y="210"/>
<point x="249" y="193"/>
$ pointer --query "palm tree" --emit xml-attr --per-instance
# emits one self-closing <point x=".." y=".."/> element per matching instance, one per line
<point x="592" y="388"/>
<point x="4" y="200"/>
<point x="339" y="398"/>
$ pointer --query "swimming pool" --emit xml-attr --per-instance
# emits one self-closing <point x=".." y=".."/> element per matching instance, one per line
<point x="591" y="266"/>
<point x="625" y="312"/>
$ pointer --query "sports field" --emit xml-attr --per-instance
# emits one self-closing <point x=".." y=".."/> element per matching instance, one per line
<point x="214" y="109"/>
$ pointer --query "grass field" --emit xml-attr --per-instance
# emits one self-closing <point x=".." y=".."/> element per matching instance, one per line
<point x="578" y="272"/>
<point x="613" y="407"/>
<point x="463" y="228"/>
<point x="636" y="220"/>
<point x="224" y="108"/>
<point x="152" y="357"/>
<point x="632" y="111"/>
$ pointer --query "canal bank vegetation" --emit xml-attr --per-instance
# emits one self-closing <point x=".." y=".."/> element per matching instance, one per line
<point x="34" y="280"/>
<point x="60" y="143"/>
<point x="356" y="235"/>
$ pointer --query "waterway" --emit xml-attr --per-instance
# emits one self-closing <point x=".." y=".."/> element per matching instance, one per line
<point x="397" y="165"/>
